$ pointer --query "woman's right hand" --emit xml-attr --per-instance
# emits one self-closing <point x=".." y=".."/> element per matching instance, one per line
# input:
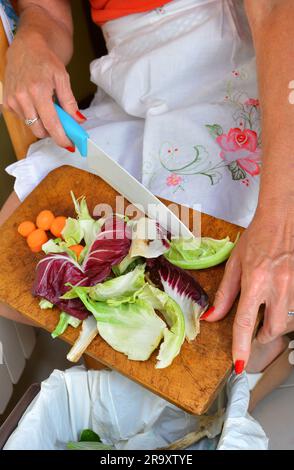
<point x="33" y="75"/>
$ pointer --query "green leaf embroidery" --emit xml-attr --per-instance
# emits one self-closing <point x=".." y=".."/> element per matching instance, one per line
<point x="214" y="130"/>
<point x="237" y="172"/>
<point x="214" y="176"/>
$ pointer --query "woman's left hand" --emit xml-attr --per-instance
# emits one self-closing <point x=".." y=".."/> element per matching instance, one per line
<point x="262" y="267"/>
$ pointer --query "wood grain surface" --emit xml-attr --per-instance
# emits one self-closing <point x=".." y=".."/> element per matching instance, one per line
<point x="197" y="374"/>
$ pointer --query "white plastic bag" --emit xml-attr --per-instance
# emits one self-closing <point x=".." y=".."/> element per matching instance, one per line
<point x="240" y="430"/>
<point x="125" y="415"/>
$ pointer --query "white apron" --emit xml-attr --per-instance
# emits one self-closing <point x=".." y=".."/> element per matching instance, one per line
<point x="177" y="106"/>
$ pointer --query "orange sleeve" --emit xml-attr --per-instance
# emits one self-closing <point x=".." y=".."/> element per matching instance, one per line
<point x="105" y="10"/>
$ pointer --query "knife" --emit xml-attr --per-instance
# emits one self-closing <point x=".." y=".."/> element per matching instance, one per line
<point x="117" y="177"/>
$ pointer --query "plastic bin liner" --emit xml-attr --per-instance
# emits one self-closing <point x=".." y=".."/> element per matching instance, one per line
<point x="128" y="416"/>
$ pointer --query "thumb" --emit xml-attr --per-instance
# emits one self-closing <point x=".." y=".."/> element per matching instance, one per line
<point x="227" y="291"/>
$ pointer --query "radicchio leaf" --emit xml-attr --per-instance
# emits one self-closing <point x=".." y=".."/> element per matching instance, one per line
<point x="184" y="289"/>
<point x="110" y="248"/>
<point x="53" y="272"/>
<point x="56" y="270"/>
<point x="149" y="239"/>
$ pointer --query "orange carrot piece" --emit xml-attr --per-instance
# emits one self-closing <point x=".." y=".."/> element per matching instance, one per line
<point x="45" y="220"/>
<point x="25" y="228"/>
<point x="77" y="249"/>
<point x="57" y="226"/>
<point x="36" y="239"/>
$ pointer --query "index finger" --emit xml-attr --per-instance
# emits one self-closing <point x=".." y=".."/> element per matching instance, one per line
<point x="244" y="327"/>
<point x="50" y="120"/>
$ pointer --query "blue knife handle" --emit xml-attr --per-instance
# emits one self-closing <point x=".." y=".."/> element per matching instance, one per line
<point x="73" y="130"/>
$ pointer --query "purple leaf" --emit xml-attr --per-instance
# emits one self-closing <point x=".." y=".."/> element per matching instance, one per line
<point x="183" y="288"/>
<point x="53" y="272"/>
<point x="110" y="247"/>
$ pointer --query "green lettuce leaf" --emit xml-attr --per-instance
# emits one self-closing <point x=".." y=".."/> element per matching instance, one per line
<point x="43" y="304"/>
<point x="72" y="233"/>
<point x="87" y="435"/>
<point x="59" y="246"/>
<point x="52" y="246"/>
<point x="199" y="253"/>
<point x="75" y="230"/>
<point x="89" y="226"/>
<point x="121" y="289"/>
<point x="173" y="315"/>
<point x="133" y="329"/>
<point x="126" y="265"/>
<point x="88" y="446"/>
<point x="64" y="321"/>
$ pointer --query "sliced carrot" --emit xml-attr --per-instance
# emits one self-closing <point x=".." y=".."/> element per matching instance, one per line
<point x="77" y="249"/>
<point x="57" y="226"/>
<point x="36" y="239"/>
<point x="45" y="219"/>
<point x="36" y="249"/>
<point x="25" y="228"/>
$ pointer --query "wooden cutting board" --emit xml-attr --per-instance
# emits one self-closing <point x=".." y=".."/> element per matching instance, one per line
<point x="197" y="374"/>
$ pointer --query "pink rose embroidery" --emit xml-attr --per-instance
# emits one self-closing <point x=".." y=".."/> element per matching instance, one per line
<point x="241" y="146"/>
<point x="173" y="180"/>
<point x="252" y="102"/>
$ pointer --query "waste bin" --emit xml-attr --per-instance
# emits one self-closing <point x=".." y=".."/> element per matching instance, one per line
<point x="10" y="424"/>
<point x="126" y="416"/>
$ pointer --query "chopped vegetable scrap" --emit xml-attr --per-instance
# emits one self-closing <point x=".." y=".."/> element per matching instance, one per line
<point x="115" y="291"/>
<point x="77" y="249"/>
<point x="88" y="446"/>
<point x="36" y="239"/>
<point x="52" y="274"/>
<point x="45" y="304"/>
<point x="184" y="289"/>
<point x="57" y="226"/>
<point x="87" y="435"/>
<point x="90" y="227"/>
<point x="148" y="239"/>
<point x="37" y="236"/>
<point x="45" y="219"/>
<point x="109" y="248"/>
<point x="64" y="321"/>
<point x="88" y="332"/>
<point x="123" y="280"/>
<point x="134" y="328"/>
<point x="25" y="228"/>
<point x="89" y="440"/>
<point x="199" y="253"/>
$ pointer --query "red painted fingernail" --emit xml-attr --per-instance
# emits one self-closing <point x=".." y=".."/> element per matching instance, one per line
<point x="81" y="116"/>
<point x="207" y="313"/>
<point x="71" y="149"/>
<point x="239" y="366"/>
